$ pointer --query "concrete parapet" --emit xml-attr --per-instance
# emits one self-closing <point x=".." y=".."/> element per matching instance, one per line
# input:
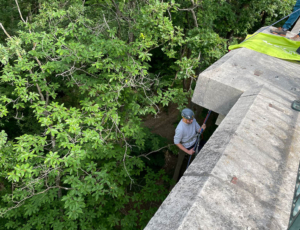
<point x="296" y="28"/>
<point x="244" y="177"/>
<point x="220" y="86"/>
<point x="220" y="119"/>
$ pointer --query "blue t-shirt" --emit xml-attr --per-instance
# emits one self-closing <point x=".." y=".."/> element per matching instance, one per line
<point x="186" y="133"/>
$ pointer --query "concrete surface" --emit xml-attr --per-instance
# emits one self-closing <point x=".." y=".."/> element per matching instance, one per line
<point x="296" y="27"/>
<point x="244" y="177"/>
<point x="220" y="119"/>
<point x="238" y="71"/>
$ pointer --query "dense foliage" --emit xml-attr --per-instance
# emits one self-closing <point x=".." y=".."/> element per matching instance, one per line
<point x="77" y="78"/>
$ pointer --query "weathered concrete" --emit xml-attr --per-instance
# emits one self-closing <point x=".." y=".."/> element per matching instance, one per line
<point x="296" y="27"/>
<point x="239" y="71"/>
<point x="244" y="176"/>
<point x="220" y="119"/>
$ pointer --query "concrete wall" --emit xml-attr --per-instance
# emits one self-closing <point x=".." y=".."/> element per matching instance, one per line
<point x="244" y="177"/>
<point x="239" y="71"/>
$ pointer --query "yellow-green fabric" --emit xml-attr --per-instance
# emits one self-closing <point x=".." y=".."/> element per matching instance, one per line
<point x="271" y="45"/>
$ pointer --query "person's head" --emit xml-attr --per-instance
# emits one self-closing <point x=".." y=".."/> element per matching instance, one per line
<point x="187" y="116"/>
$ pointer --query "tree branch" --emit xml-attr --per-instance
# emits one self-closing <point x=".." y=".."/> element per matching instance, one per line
<point x="195" y="18"/>
<point x="40" y="92"/>
<point x="20" y="12"/>
<point x="5" y="31"/>
<point x="147" y="154"/>
<point x="40" y="65"/>
<point x="38" y="87"/>
<point x="188" y="9"/>
<point x="193" y="13"/>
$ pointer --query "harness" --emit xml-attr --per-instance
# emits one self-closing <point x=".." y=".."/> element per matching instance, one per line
<point x="198" y="138"/>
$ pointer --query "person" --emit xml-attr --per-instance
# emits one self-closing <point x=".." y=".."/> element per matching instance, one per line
<point x="289" y="23"/>
<point x="186" y="132"/>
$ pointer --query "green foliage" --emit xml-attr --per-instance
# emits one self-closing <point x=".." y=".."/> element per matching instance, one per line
<point x="76" y="80"/>
<point x="77" y="165"/>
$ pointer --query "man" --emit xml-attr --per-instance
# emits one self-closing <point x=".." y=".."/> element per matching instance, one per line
<point x="186" y="132"/>
<point x="288" y="24"/>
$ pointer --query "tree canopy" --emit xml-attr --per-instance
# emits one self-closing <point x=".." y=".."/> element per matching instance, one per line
<point x="77" y="78"/>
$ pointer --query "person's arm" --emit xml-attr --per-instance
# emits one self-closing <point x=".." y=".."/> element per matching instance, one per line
<point x="202" y="127"/>
<point x="190" y="152"/>
<point x="199" y="128"/>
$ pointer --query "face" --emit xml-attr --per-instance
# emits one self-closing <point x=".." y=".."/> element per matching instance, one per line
<point x="187" y="121"/>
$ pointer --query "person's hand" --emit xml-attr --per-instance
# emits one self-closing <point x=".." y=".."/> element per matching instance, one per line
<point x="203" y="127"/>
<point x="190" y="152"/>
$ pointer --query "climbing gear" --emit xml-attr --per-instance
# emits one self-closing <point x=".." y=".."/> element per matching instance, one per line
<point x="187" y="114"/>
<point x="272" y="45"/>
<point x="280" y="31"/>
<point x="198" y="139"/>
<point x="290" y="55"/>
<point x="270" y="25"/>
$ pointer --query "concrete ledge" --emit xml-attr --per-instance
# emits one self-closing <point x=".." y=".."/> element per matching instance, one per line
<point x="296" y="27"/>
<point x="220" y="102"/>
<point x="239" y="71"/>
<point x="244" y="176"/>
<point x="220" y="119"/>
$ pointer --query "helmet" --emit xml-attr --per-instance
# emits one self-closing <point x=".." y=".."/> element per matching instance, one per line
<point x="187" y="113"/>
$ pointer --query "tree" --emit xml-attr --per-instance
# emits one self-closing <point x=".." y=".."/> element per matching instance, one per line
<point x="77" y="79"/>
<point x="77" y="165"/>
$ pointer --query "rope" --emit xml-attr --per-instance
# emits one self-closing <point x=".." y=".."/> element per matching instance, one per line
<point x="198" y="138"/>
<point x="270" y="26"/>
